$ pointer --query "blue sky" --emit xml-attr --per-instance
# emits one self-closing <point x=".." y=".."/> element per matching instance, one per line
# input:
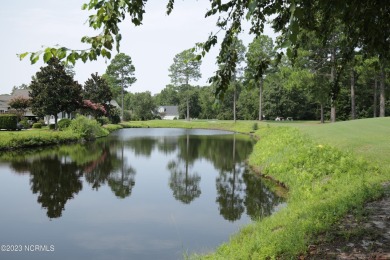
<point x="29" y="25"/>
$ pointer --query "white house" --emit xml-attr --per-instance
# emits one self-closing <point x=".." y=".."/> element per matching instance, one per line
<point x="168" y="112"/>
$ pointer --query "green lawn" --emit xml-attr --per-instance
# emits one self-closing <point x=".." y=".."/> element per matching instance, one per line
<point x="369" y="138"/>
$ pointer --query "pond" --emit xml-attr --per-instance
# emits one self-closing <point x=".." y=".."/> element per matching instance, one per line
<point x="137" y="194"/>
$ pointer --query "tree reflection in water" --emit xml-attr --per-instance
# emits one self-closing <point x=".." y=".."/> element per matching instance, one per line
<point x="55" y="181"/>
<point x="185" y="185"/>
<point x="56" y="173"/>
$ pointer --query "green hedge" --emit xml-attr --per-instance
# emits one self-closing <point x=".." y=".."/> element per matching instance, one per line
<point x="64" y="123"/>
<point x="37" y="125"/>
<point x="8" y="121"/>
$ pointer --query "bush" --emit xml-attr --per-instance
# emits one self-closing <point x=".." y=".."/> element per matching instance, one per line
<point x="8" y="121"/>
<point x="115" y="115"/>
<point x="64" y="123"/>
<point x="255" y="127"/>
<point x="87" y="128"/>
<point x="103" y="120"/>
<point x="24" y="123"/>
<point x="42" y="122"/>
<point x="126" y="115"/>
<point x="37" y="125"/>
<point x="52" y="126"/>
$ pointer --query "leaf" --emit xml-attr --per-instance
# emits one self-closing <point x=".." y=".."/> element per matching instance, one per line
<point x="47" y="56"/>
<point x="35" y="56"/>
<point x="22" y="55"/>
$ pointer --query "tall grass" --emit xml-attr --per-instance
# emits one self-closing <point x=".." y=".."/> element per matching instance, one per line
<point x="324" y="184"/>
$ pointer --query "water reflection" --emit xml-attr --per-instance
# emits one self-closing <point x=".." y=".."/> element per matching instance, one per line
<point x="55" y="181"/>
<point x="184" y="184"/>
<point x="57" y="174"/>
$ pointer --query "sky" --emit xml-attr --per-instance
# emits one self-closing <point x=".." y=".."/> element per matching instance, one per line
<point x="33" y="25"/>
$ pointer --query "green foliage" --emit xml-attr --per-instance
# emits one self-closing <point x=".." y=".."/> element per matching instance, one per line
<point x="53" y="91"/>
<point x="112" y="127"/>
<point x="97" y="90"/>
<point x="37" y="125"/>
<point x="323" y="182"/>
<point x="64" y="123"/>
<point x="185" y="67"/>
<point x="121" y="71"/>
<point x="103" y="120"/>
<point x="8" y="121"/>
<point x="192" y="95"/>
<point x="167" y="97"/>
<point x="52" y="126"/>
<point x="86" y="128"/>
<point x="143" y="105"/>
<point x="114" y="115"/>
<point x="34" y="138"/>
<point x="255" y="126"/>
<point x="24" y="123"/>
<point x="126" y="115"/>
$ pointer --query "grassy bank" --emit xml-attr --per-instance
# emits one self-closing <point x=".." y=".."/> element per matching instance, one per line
<point x="34" y="138"/>
<point x="324" y="184"/>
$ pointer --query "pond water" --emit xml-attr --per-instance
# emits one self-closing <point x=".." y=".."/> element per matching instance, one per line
<point x="137" y="194"/>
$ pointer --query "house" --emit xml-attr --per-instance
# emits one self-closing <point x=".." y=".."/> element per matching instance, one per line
<point x="168" y="112"/>
<point x="4" y="103"/>
<point x="5" y="108"/>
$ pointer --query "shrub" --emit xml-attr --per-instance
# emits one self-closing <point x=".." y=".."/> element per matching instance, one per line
<point x="255" y="127"/>
<point x="103" y="120"/>
<point x="8" y="121"/>
<point x="42" y="122"/>
<point x="24" y="123"/>
<point x="126" y="115"/>
<point x="115" y="115"/>
<point x="64" y="123"/>
<point x="87" y="128"/>
<point x="37" y="125"/>
<point x="52" y="126"/>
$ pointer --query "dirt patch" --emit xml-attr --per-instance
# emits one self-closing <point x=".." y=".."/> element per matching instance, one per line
<point x="364" y="236"/>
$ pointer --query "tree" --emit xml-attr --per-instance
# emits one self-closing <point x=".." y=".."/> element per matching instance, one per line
<point x="20" y="104"/>
<point x="185" y="67"/>
<point x="191" y="107"/>
<point x="240" y="52"/>
<point x="121" y="72"/>
<point x="54" y="91"/>
<point x="168" y="96"/>
<point x="97" y="90"/>
<point x="23" y="86"/>
<point x="259" y="56"/>
<point x="143" y="105"/>
<point x="365" y="25"/>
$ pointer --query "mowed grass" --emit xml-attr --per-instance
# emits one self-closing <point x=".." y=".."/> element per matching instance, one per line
<point x="369" y="138"/>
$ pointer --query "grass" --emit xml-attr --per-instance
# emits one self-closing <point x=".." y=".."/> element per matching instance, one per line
<point x="35" y="137"/>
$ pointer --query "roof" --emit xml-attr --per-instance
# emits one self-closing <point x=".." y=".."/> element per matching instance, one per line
<point x="169" y="110"/>
<point x="114" y="103"/>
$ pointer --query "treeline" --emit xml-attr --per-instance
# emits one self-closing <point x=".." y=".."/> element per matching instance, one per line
<point x="302" y="88"/>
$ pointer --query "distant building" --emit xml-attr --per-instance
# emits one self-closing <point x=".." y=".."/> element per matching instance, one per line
<point x="168" y="112"/>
